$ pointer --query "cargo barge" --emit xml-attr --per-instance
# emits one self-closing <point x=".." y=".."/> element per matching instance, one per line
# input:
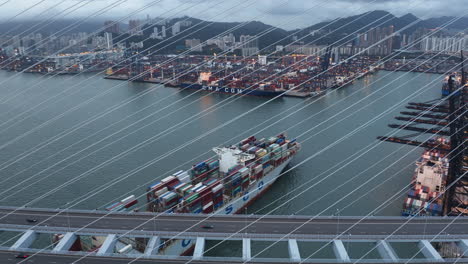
<point x="429" y="180"/>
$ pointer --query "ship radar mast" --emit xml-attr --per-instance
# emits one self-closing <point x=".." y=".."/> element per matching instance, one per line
<point x="229" y="157"/>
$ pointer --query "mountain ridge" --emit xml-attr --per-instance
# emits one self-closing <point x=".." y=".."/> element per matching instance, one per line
<point x="360" y="19"/>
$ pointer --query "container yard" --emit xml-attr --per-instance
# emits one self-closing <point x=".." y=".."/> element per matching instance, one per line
<point x="427" y="65"/>
<point x="62" y="63"/>
<point x="300" y="76"/>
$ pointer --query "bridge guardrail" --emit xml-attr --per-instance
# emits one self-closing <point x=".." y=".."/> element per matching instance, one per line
<point x="236" y="236"/>
<point x="240" y="216"/>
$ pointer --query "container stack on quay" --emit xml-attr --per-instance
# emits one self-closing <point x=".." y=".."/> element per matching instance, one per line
<point x="302" y="75"/>
<point x="438" y="65"/>
<point x="425" y="197"/>
<point x="205" y="188"/>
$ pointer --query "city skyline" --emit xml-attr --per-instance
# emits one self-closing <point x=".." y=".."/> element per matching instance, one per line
<point x="298" y="13"/>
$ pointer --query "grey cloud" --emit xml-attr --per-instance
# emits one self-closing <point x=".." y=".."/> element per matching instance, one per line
<point x="267" y="11"/>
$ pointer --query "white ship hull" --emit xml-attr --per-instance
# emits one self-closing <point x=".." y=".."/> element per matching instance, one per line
<point x="179" y="247"/>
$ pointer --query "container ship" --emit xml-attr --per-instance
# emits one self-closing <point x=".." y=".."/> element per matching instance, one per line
<point x="429" y="181"/>
<point x="208" y="83"/>
<point x="223" y="185"/>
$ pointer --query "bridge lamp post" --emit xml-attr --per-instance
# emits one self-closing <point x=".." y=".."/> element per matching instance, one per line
<point x="425" y="226"/>
<point x="338" y="222"/>
<point x="68" y="216"/>
<point x="245" y="220"/>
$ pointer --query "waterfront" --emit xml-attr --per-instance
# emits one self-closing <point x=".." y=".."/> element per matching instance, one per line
<point x="316" y="199"/>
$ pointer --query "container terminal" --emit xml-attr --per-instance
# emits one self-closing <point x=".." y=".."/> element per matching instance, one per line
<point x="302" y="76"/>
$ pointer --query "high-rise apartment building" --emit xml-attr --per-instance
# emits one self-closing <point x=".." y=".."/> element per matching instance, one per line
<point x="112" y="27"/>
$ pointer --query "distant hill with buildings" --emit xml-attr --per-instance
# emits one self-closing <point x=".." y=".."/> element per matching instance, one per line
<point x="187" y="32"/>
<point x="48" y="27"/>
<point x="339" y="31"/>
<point x="341" y="26"/>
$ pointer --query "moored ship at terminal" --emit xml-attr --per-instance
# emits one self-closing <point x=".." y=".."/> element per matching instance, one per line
<point x="425" y="197"/>
<point x="208" y="83"/>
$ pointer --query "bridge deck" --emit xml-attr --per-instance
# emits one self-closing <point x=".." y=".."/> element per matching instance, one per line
<point x="382" y="231"/>
<point x="296" y="227"/>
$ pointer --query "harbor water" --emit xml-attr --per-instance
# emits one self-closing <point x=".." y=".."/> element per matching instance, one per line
<point x="168" y="129"/>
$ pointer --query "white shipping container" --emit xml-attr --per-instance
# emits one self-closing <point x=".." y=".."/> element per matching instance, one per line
<point x="408" y="201"/>
<point x="199" y="190"/>
<point x="217" y="188"/>
<point x="208" y="205"/>
<point x="163" y="196"/>
<point x="245" y="140"/>
<point x="178" y="173"/>
<point x="168" y="179"/>
<point x="169" y="197"/>
<point x="128" y="199"/>
<point x="160" y="192"/>
<point x="183" y="175"/>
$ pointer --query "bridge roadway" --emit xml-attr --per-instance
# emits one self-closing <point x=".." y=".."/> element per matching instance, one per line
<point x="273" y="226"/>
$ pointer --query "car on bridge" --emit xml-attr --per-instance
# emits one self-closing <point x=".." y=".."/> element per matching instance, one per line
<point x="22" y="256"/>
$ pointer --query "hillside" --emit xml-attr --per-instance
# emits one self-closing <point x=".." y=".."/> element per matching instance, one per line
<point x="327" y="32"/>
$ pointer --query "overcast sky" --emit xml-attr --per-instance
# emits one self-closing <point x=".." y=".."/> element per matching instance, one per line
<point x="287" y="14"/>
